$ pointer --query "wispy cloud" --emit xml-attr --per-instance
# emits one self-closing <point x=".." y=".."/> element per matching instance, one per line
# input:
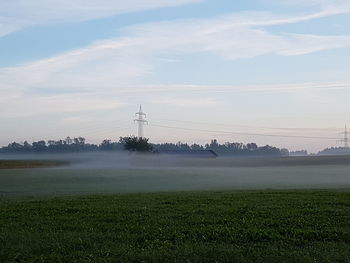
<point x="106" y="64"/>
<point x="260" y="88"/>
<point x="18" y="14"/>
<point x="121" y="65"/>
<point x="115" y="63"/>
<point x="76" y="120"/>
<point x="325" y="4"/>
<point x="186" y="102"/>
<point x="22" y="105"/>
<point x="17" y="104"/>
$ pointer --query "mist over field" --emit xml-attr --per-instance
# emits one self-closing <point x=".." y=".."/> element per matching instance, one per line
<point x="102" y="172"/>
<point x="174" y="131"/>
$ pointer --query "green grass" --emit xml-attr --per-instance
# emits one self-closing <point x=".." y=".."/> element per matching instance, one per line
<point x="21" y="164"/>
<point x="60" y="181"/>
<point x="242" y="226"/>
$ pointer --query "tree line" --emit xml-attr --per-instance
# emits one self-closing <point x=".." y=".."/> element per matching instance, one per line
<point x="227" y="148"/>
<point x="335" y="151"/>
<point x="132" y="143"/>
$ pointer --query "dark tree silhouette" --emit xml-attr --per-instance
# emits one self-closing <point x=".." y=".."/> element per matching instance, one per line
<point x="132" y="143"/>
<point x="136" y="144"/>
<point x="108" y="145"/>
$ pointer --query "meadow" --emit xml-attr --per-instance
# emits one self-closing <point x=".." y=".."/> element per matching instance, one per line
<point x="110" y="174"/>
<point x="21" y="164"/>
<point x="126" y="209"/>
<point x="239" y="226"/>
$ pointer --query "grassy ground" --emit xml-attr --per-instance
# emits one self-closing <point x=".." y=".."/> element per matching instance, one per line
<point x="250" y="226"/>
<point x="20" y="164"/>
<point x="70" y="181"/>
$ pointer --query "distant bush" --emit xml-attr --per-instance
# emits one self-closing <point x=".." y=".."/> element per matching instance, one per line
<point x="136" y="144"/>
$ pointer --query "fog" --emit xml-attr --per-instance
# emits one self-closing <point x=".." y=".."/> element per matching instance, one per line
<point x="104" y="173"/>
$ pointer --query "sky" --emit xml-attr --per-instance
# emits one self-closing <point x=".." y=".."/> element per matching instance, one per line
<point x="270" y="72"/>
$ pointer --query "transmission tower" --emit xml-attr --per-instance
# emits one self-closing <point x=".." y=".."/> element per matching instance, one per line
<point x="345" y="140"/>
<point x="140" y="121"/>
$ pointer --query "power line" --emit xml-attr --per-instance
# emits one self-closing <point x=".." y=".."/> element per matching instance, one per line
<point x="247" y="134"/>
<point x="244" y="126"/>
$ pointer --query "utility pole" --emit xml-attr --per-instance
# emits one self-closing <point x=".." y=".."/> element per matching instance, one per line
<point x="140" y="121"/>
<point x="345" y="140"/>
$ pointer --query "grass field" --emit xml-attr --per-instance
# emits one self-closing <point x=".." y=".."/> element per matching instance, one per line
<point x="250" y="226"/>
<point x="80" y="181"/>
<point x="175" y="210"/>
<point x="109" y="173"/>
<point x="22" y="164"/>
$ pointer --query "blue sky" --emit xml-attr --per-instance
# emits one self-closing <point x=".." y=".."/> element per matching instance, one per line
<point x="80" y="68"/>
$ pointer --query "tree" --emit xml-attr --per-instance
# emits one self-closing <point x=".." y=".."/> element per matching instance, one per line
<point x="39" y="146"/>
<point x="252" y="147"/>
<point x="136" y="144"/>
<point x="214" y="144"/>
<point x="106" y="145"/>
<point x="68" y="140"/>
<point x="15" y="147"/>
<point x="26" y="147"/>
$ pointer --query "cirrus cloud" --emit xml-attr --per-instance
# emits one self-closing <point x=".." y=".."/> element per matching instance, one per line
<point x="126" y="61"/>
<point x="123" y="64"/>
<point x="18" y="14"/>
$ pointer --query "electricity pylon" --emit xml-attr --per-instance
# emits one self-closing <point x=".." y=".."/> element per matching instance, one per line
<point x="140" y="121"/>
<point x="345" y="140"/>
